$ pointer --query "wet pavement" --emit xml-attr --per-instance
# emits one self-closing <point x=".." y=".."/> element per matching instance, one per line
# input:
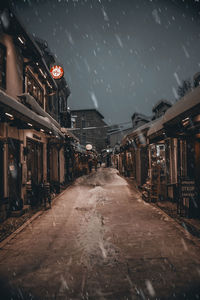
<point x="101" y="241"/>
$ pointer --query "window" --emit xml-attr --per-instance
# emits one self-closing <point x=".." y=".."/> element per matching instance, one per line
<point x="83" y="123"/>
<point x="83" y="138"/>
<point x="2" y="66"/>
<point x="34" y="89"/>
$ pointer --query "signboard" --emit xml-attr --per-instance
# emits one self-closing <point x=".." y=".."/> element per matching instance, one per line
<point x="187" y="195"/>
<point x="36" y="136"/>
<point x="57" y="72"/>
<point x="188" y="188"/>
<point x="88" y="147"/>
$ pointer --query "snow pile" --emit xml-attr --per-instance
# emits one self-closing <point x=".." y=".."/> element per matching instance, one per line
<point x="93" y="238"/>
<point x="101" y="178"/>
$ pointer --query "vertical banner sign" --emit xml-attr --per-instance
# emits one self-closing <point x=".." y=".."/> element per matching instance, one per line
<point x="187" y="190"/>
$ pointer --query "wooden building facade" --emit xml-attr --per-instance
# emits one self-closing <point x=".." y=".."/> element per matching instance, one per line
<point x="166" y="160"/>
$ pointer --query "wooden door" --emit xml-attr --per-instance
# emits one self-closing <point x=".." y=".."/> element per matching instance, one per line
<point x="14" y="174"/>
<point x="35" y="161"/>
<point x="1" y="171"/>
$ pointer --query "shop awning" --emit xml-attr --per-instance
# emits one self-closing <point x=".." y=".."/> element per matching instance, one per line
<point x="67" y="132"/>
<point x="137" y="132"/>
<point x="26" y="115"/>
<point x="144" y="127"/>
<point x="32" y="103"/>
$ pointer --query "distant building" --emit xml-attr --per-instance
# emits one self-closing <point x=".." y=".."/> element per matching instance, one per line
<point x="139" y="120"/>
<point x="160" y="108"/>
<point x="116" y="135"/>
<point x="90" y="128"/>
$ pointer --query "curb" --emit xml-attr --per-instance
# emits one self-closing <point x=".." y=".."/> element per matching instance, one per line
<point x="18" y="230"/>
<point x="186" y="233"/>
<point x="184" y="230"/>
<point x="29" y="221"/>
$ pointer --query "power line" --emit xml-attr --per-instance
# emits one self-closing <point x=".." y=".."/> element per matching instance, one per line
<point x="97" y="127"/>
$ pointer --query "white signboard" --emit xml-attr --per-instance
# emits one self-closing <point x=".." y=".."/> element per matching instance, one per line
<point x="88" y="147"/>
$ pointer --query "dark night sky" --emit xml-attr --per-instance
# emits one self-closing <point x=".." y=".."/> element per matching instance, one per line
<point x="119" y="56"/>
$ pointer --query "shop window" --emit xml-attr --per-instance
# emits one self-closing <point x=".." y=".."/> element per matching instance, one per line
<point x="34" y="89"/>
<point x="83" y="123"/>
<point x="2" y="66"/>
<point x="50" y="103"/>
<point x="63" y="103"/>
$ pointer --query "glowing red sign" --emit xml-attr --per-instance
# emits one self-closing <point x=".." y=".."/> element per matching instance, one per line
<point x="57" y="72"/>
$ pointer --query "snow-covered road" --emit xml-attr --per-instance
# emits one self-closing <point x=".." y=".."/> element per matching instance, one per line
<point x="101" y="241"/>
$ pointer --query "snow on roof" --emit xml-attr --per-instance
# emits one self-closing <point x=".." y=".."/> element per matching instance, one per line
<point x="141" y="128"/>
<point x="189" y="101"/>
<point x="138" y="131"/>
<point x="30" y="100"/>
<point x="156" y="126"/>
<point x="29" y="115"/>
<point x="185" y="103"/>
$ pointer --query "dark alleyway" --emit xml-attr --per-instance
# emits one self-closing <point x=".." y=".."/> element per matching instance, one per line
<point x="100" y="240"/>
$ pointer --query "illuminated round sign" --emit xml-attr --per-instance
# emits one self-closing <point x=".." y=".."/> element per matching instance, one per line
<point x="88" y="147"/>
<point x="57" y="72"/>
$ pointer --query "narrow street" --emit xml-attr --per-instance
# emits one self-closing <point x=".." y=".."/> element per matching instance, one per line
<point x="101" y="241"/>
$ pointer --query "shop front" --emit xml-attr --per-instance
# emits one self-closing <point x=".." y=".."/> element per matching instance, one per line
<point x="188" y="176"/>
<point x="182" y="125"/>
